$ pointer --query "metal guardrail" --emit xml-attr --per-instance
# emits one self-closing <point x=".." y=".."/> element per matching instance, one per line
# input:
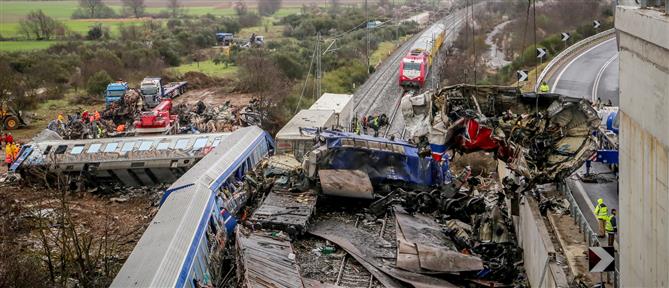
<point x="570" y="50"/>
<point x="583" y="226"/>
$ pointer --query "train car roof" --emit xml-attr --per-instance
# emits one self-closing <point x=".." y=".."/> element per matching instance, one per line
<point x="126" y="139"/>
<point x="158" y="257"/>
<point x="424" y="41"/>
<point x="336" y="102"/>
<point x="305" y="119"/>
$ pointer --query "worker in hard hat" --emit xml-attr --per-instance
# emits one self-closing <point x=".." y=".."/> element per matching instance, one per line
<point x="61" y="118"/>
<point x="612" y="226"/>
<point x="544" y="88"/>
<point x="602" y="213"/>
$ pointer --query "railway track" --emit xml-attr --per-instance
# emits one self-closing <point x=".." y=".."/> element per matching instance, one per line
<point x="351" y="273"/>
<point x="453" y="23"/>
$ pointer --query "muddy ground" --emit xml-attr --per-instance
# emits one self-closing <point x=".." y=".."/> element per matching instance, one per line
<point x="36" y="225"/>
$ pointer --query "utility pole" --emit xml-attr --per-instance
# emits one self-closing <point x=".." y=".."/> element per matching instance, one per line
<point x="318" y="66"/>
<point x="367" y="35"/>
<point x="536" y="67"/>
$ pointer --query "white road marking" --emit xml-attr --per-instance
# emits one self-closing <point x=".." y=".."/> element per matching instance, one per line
<point x="595" y="86"/>
<point x="557" y="80"/>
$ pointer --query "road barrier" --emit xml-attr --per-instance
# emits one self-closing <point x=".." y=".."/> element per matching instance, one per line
<point x="577" y="47"/>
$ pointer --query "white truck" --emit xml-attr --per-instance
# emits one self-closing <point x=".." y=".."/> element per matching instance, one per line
<point x="153" y="90"/>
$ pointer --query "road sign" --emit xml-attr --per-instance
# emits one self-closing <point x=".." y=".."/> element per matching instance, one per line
<point x="522" y="75"/>
<point x="601" y="259"/>
<point x="565" y="36"/>
<point x="541" y="52"/>
<point x="596" y="24"/>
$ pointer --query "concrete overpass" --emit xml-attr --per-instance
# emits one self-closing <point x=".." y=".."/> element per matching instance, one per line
<point x="644" y="146"/>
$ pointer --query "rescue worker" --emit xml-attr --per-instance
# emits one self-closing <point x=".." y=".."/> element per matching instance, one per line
<point x="84" y="115"/>
<point x="602" y="213"/>
<point x="15" y="151"/>
<point x="96" y="115"/>
<point x="8" y="155"/>
<point x="375" y="125"/>
<point x="120" y="128"/>
<point x="61" y="118"/>
<point x="544" y="88"/>
<point x="612" y="226"/>
<point x="9" y="139"/>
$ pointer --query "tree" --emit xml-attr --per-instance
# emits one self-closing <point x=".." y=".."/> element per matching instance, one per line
<point x="268" y="7"/>
<point x="259" y="74"/>
<point x="93" y="9"/>
<point x="240" y="8"/>
<point x="98" y="82"/>
<point x="134" y="7"/>
<point x="174" y="7"/>
<point x="39" y="24"/>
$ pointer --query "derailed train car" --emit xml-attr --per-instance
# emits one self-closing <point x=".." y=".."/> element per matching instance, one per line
<point x="383" y="160"/>
<point x="182" y="245"/>
<point x="540" y="136"/>
<point x="132" y="161"/>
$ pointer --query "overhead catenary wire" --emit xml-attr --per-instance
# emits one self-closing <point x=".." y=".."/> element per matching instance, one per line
<point x="306" y="81"/>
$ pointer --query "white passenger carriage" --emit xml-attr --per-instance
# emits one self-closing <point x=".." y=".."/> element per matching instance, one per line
<point x="196" y="216"/>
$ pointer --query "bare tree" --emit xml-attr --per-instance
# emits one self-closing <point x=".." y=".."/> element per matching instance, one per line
<point x="38" y="24"/>
<point x="134" y="7"/>
<point x="240" y="8"/>
<point x="92" y="7"/>
<point x="268" y="7"/>
<point x="174" y="7"/>
<point x="260" y="75"/>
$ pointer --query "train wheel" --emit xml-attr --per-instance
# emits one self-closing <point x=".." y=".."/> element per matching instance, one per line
<point x="11" y="122"/>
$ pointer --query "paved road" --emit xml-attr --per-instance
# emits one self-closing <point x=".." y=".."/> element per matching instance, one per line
<point x="591" y="75"/>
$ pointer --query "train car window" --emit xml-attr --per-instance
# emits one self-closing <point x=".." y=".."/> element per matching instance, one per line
<point x="163" y="146"/>
<point x="111" y="147"/>
<point x="217" y="141"/>
<point x="94" y="148"/>
<point x="128" y="146"/>
<point x="77" y="149"/>
<point x="60" y="149"/>
<point x="47" y="150"/>
<point x="145" y="145"/>
<point x="181" y="144"/>
<point x="200" y="143"/>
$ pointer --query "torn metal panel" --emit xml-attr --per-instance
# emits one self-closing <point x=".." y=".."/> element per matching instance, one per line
<point x="346" y="183"/>
<point x="365" y="248"/>
<point x="287" y="211"/>
<point x="312" y="283"/>
<point x="423" y="247"/>
<point x="264" y="261"/>
<point x="540" y="145"/>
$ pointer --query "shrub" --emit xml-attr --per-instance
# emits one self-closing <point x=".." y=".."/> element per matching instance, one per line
<point x="98" y="82"/>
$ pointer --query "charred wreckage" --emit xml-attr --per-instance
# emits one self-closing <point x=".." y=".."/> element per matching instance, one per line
<point x="392" y="213"/>
<point x="396" y="208"/>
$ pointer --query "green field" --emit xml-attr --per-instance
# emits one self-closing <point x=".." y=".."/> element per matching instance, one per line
<point x="207" y="67"/>
<point x="10" y="46"/>
<point x="11" y="12"/>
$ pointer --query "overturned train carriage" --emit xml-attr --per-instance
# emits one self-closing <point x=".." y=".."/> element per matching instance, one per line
<point x="132" y="161"/>
<point x="183" y="244"/>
